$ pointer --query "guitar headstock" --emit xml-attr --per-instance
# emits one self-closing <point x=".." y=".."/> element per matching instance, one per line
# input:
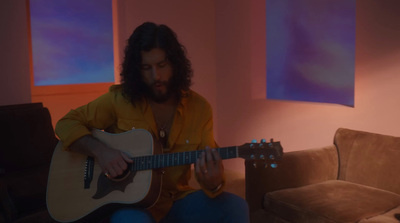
<point x="269" y="152"/>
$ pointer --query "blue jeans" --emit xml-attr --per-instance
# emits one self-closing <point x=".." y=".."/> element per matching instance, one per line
<point x="194" y="208"/>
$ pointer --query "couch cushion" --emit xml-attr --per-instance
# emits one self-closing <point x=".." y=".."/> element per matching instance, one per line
<point x="368" y="158"/>
<point x="388" y="217"/>
<point x="330" y="201"/>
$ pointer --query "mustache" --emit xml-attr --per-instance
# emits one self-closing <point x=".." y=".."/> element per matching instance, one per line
<point x="160" y="83"/>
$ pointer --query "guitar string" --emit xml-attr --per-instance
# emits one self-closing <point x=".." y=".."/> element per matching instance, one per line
<point x="175" y="159"/>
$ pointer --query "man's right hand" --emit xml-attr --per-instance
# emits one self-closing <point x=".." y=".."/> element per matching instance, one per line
<point x="112" y="162"/>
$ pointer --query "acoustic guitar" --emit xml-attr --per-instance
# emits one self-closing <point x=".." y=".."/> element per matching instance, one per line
<point x="77" y="187"/>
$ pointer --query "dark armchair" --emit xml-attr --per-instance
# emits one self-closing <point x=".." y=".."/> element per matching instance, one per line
<point x="26" y="146"/>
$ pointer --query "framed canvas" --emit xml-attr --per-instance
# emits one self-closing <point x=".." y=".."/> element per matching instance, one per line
<point x="72" y="41"/>
<point x="311" y="50"/>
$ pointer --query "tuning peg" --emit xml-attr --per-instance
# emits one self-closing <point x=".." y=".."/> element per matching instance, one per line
<point x="262" y="156"/>
<point x="271" y="157"/>
<point x="274" y="165"/>
<point x="263" y="141"/>
<point x="271" y="143"/>
<point x="252" y="143"/>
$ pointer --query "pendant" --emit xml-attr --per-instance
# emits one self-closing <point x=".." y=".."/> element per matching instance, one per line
<point x="162" y="133"/>
<point x="163" y="138"/>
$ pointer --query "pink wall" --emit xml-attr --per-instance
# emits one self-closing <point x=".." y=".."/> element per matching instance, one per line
<point x="244" y="113"/>
<point x="226" y="43"/>
<point x="14" y="59"/>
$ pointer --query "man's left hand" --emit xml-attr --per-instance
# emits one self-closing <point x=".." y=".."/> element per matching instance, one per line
<point x="209" y="169"/>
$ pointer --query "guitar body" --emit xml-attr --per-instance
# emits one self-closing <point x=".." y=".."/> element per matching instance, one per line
<point x="67" y="198"/>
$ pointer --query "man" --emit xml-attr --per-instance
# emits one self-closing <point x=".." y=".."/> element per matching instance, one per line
<point x="154" y="95"/>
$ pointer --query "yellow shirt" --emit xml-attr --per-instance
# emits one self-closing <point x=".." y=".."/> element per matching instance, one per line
<point x="192" y="129"/>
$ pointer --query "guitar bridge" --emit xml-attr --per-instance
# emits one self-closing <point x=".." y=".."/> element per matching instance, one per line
<point x="88" y="176"/>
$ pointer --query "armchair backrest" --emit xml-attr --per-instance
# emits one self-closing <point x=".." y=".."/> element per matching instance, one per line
<point x="27" y="144"/>
<point x="27" y="137"/>
<point x="368" y="158"/>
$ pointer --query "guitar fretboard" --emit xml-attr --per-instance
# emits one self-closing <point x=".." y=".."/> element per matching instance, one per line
<point x="177" y="159"/>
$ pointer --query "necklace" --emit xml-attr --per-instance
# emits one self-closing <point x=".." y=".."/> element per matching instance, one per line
<point x="163" y="129"/>
<point x="163" y="116"/>
<point x="163" y="135"/>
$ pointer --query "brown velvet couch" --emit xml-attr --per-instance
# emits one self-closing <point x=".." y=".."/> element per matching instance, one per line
<point x="357" y="179"/>
<point x="27" y="144"/>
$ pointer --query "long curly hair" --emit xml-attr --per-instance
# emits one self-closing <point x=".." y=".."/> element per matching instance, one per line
<point x="144" y="38"/>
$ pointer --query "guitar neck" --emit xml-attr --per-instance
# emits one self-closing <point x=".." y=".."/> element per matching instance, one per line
<point x="177" y="159"/>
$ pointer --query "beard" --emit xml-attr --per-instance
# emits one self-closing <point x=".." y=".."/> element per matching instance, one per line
<point x="158" y="95"/>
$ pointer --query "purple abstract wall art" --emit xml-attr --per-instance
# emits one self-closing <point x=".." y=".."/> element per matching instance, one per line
<point x="72" y="41"/>
<point x="311" y="50"/>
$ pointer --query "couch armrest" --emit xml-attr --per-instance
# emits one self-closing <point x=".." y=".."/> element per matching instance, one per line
<point x="8" y="211"/>
<point x="296" y="169"/>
